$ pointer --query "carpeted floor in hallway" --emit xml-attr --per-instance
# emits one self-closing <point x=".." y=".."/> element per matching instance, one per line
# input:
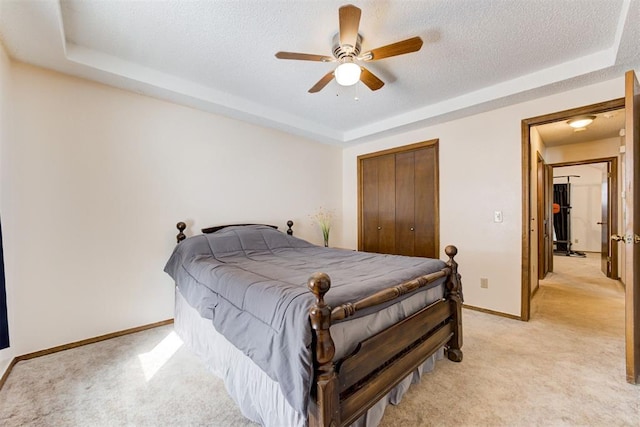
<point x="563" y="368"/>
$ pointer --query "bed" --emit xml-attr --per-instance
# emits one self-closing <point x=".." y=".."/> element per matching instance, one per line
<point x="308" y="335"/>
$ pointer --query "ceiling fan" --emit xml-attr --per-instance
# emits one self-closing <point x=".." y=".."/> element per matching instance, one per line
<point x="347" y="50"/>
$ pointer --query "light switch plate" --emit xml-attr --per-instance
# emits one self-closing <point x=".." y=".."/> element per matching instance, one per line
<point x="497" y="216"/>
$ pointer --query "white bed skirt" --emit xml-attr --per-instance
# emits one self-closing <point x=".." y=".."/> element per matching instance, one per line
<point x="258" y="396"/>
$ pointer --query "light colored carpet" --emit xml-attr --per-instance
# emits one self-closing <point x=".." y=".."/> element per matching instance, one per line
<point x="563" y="368"/>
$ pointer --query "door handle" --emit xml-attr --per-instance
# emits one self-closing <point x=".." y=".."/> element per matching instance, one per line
<point x="601" y="223"/>
<point x="617" y="237"/>
<point x="379" y="228"/>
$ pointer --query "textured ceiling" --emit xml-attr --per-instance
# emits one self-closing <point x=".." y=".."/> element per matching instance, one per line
<point x="219" y="55"/>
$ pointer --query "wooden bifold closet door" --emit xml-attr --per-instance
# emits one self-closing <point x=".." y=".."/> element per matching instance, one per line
<point x="398" y="201"/>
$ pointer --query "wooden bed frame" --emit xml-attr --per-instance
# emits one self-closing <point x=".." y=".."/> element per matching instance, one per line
<point x="345" y="389"/>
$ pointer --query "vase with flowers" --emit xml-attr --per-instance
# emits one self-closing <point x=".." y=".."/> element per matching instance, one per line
<point x="323" y="218"/>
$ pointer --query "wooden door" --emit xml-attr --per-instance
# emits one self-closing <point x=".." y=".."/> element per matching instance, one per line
<point x="416" y="207"/>
<point x="378" y="204"/>
<point x="398" y="201"/>
<point x="605" y="241"/>
<point x="632" y="227"/>
<point x="405" y="203"/>
<point x="386" y="204"/>
<point x="369" y="207"/>
<point x="426" y="202"/>
<point x="540" y="202"/>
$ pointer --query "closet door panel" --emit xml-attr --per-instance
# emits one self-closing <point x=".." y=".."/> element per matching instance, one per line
<point x="370" y="205"/>
<point x="386" y="204"/>
<point x="426" y="208"/>
<point x="405" y="203"/>
<point x="398" y="207"/>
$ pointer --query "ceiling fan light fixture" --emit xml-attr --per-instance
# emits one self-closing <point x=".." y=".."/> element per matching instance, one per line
<point x="347" y="73"/>
<point x="581" y="122"/>
<point x="347" y="45"/>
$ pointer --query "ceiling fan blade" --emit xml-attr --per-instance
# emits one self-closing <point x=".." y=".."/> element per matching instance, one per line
<point x="322" y="83"/>
<point x="349" y="22"/>
<point x="368" y="78"/>
<point x="400" y="48"/>
<point x="304" y="56"/>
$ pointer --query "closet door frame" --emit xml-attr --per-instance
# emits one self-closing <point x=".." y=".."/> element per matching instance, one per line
<point x="402" y="149"/>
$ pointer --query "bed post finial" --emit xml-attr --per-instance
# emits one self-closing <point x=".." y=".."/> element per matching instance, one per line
<point x="324" y="409"/>
<point x="290" y="231"/>
<point x="181" y="226"/>
<point x="454" y="292"/>
<point x="320" y="314"/>
<point x="454" y="286"/>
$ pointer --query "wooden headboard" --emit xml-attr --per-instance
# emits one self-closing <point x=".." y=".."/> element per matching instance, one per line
<point x="210" y="230"/>
<point x="181" y="226"/>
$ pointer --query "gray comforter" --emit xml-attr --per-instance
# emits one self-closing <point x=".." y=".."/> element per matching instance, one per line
<point x="251" y="282"/>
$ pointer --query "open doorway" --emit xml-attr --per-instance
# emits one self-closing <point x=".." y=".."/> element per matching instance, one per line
<point x="585" y="210"/>
<point x="549" y="141"/>
<point x="576" y="186"/>
<point x="574" y="201"/>
<point x="628" y="235"/>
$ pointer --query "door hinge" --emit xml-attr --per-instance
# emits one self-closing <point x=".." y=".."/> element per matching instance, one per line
<point x="629" y="239"/>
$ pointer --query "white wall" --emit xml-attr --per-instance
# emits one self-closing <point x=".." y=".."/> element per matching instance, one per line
<point x="480" y="172"/>
<point x="590" y="150"/>
<point x="100" y="176"/>
<point x="94" y="179"/>
<point x="6" y="355"/>
<point x="586" y="204"/>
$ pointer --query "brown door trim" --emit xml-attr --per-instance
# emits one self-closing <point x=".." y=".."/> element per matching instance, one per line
<point x="400" y="149"/>
<point x="526" y="124"/>
<point x="542" y="225"/>
<point x="548" y="175"/>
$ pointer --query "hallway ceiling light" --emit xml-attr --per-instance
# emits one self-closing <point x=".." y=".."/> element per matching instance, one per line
<point x="581" y="122"/>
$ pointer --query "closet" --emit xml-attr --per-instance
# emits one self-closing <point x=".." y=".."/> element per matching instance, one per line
<point x="398" y="201"/>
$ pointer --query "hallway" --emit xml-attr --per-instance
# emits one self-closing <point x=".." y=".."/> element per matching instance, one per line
<point x="589" y="309"/>
<point x="579" y="295"/>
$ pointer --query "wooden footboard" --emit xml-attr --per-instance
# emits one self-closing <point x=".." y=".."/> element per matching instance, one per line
<point x="344" y="390"/>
